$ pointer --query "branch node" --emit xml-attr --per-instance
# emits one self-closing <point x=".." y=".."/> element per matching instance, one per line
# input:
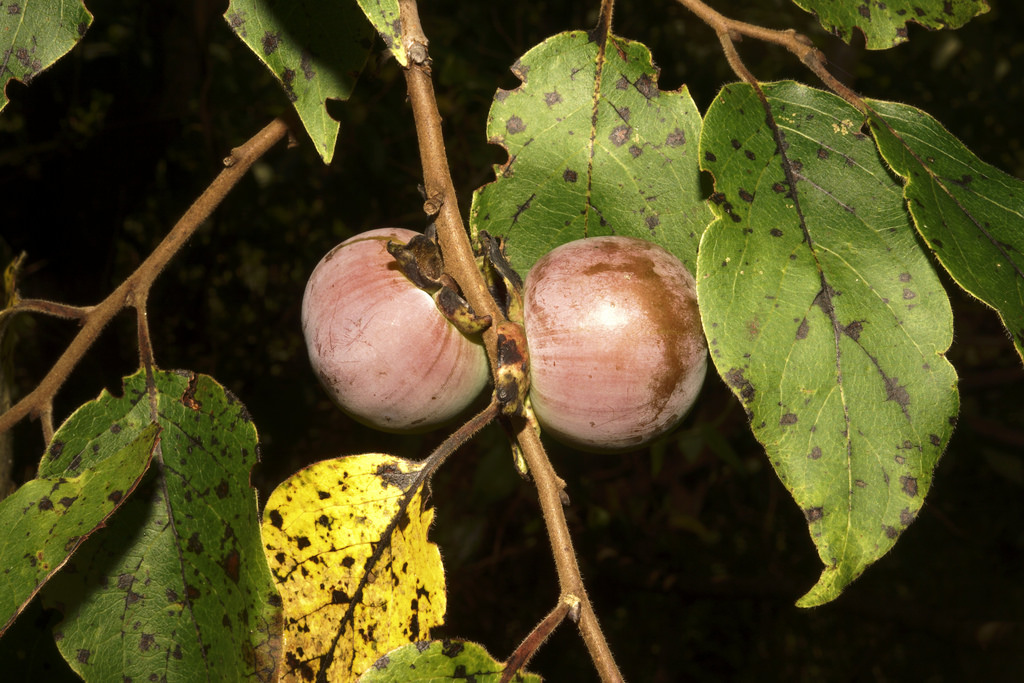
<point x="419" y="55"/>
<point x="433" y="205"/>
<point x="575" y="607"/>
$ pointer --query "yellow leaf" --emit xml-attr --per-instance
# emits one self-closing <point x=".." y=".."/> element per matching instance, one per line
<point x="357" y="576"/>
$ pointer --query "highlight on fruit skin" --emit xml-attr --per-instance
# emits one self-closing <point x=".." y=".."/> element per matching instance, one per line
<point x="378" y="343"/>
<point x="617" y="351"/>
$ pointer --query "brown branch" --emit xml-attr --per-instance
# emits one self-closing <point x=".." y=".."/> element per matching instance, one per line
<point x="51" y="308"/>
<point x="731" y="30"/>
<point x="136" y="287"/>
<point x="521" y="657"/>
<point x="461" y="264"/>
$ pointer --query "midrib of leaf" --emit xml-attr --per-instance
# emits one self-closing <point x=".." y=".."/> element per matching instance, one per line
<point x="382" y="545"/>
<point x="824" y="298"/>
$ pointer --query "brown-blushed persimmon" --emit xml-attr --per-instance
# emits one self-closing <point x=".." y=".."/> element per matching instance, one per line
<point x="617" y="351"/>
<point x="378" y="343"/>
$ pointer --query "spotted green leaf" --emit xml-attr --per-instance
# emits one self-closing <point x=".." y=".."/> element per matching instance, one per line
<point x="316" y="49"/>
<point x="36" y="33"/>
<point x="884" y="24"/>
<point x="384" y="16"/>
<point x="970" y="213"/>
<point x="347" y="543"/>
<point x="825" y="317"/>
<point x="440" y="660"/>
<point x="48" y="518"/>
<point x="176" y="587"/>
<point x="595" y="148"/>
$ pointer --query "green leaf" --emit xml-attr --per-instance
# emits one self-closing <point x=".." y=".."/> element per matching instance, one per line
<point x="316" y="49"/>
<point x="595" y="148"/>
<point x="884" y="24"/>
<point x="47" y="519"/>
<point x="357" y="574"/>
<point x="970" y="213"/>
<point x="176" y="586"/>
<point x="35" y="34"/>
<point x="384" y="16"/>
<point x="825" y="317"/>
<point x="440" y="660"/>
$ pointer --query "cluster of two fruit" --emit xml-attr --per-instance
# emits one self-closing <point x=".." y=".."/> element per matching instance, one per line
<point x="617" y="354"/>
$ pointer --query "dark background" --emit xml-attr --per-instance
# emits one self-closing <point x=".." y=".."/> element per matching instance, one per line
<point x="693" y="552"/>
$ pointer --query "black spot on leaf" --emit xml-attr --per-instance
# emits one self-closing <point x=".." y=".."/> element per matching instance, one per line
<point x="894" y="391"/>
<point x="787" y="419"/>
<point x="742" y="385"/>
<point x="815" y="453"/>
<point x="646" y="87"/>
<point x="775" y="232"/>
<point x="552" y="98"/>
<point x="709" y="156"/>
<point x="451" y="648"/>
<point x="853" y="330"/>
<point x="323" y="495"/>
<point x="115" y="496"/>
<point x="306" y="64"/>
<point x="676" y="138"/>
<point x="906" y="516"/>
<point x="569" y="175"/>
<point x="890" y="532"/>
<point x="45" y="503"/>
<point x="302" y="542"/>
<point x="230" y="565"/>
<point x="909" y="485"/>
<point x="813" y="514"/>
<point x="276" y="520"/>
<point x="271" y="41"/>
<point x="194" y="545"/>
<point x="515" y="125"/>
<point x="801" y="332"/>
<point x="620" y="135"/>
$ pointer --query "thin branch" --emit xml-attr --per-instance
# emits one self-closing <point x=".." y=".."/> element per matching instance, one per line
<point x="730" y="30"/>
<point x="459" y="259"/>
<point x="51" y="308"/>
<point x="136" y="287"/>
<point x="461" y="264"/>
<point x="521" y="657"/>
